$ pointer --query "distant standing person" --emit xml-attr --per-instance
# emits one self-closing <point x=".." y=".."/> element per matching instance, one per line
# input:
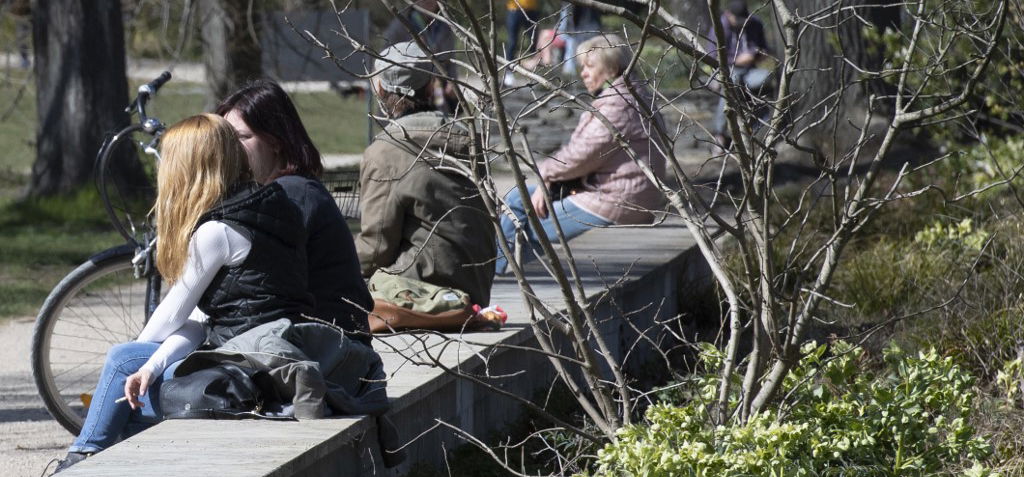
<point x="21" y="10"/>
<point x="576" y="24"/>
<point x="745" y="44"/>
<point x="439" y="39"/>
<point x="521" y="14"/>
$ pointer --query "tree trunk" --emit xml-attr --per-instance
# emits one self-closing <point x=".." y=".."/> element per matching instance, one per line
<point x="824" y="70"/>
<point x="230" y="34"/>
<point x="81" y="88"/>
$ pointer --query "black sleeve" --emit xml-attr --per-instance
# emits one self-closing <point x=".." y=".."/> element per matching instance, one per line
<point x="755" y="34"/>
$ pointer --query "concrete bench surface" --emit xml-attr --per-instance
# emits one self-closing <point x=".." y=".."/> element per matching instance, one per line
<point x="652" y="260"/>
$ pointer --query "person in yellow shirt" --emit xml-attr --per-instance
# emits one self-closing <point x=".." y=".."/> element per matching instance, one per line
<point x="522" y="14"/>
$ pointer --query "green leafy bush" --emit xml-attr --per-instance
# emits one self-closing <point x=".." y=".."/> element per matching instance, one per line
<point x="1010" y="379"/>
<point x="961" y="234"/>
<point x="980" y="325"/>
<point x="892" y="275"/>
<point x="837" y="419"/>
<point x="980" y="165"/>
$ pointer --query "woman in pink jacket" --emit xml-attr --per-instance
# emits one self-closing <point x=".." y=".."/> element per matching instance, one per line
<point x="609" y="186"/>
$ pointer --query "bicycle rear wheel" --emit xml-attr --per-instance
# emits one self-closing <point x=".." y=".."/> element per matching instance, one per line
<point x="96" y="306"/>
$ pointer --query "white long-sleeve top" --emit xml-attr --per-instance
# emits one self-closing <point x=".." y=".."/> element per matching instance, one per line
<point x="176" y="323"/>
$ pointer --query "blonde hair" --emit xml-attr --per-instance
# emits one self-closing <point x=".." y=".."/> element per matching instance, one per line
<point x="200" y="159"/>
<point x="610" y="50"/>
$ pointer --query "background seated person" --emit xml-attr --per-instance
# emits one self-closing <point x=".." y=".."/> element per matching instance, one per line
<point x="427" y="242"/>
<point x="610" y="187"/>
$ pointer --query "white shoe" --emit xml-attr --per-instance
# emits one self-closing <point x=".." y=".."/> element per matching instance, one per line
<point x="509" y="79"/>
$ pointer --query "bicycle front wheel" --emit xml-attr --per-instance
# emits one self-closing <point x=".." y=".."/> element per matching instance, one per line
<point x="96" y="306"/>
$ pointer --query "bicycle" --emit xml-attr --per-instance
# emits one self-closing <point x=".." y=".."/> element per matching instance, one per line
<point x="99" y="303"/>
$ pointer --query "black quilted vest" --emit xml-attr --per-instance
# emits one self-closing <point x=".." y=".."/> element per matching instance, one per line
<point x="271" y="282"/>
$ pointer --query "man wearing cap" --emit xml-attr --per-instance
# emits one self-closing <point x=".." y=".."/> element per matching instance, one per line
<point x="427" y="243"/>
<point x="439" y="38"/>
<point x="744" y="45"/>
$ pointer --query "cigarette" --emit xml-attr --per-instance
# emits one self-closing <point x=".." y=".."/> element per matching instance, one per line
<point x="121" y="399"/>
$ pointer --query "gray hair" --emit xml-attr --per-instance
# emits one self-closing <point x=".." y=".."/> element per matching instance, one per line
<point x="610" y="50"/>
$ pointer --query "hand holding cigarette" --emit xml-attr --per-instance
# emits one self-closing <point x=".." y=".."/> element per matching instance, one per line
<point x="135" y="386"/>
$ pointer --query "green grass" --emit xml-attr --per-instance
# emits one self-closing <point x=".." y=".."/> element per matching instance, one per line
<point x="41" y="240"/>
<point x="17" y="128"/>
<point x="337" y="125"/>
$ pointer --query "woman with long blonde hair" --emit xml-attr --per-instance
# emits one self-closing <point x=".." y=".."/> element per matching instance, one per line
<point x="228" y="247"/>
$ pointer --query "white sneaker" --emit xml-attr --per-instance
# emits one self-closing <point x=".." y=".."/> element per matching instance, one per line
<point x="509" y="79"/>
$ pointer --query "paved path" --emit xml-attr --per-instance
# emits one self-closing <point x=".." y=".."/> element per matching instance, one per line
<point x="29" y="437"/>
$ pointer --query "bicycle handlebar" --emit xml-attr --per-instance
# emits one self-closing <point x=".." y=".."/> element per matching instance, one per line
<point x="153" y="86"/>
<point x="150" y="125"/>
<point x="145" y="91"/>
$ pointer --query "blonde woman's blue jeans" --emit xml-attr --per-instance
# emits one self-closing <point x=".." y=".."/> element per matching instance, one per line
<point x="109" y="422"/>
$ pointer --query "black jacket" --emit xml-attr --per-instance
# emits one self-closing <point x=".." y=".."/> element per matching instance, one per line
<point x="271" y="282"/>
<point x="334" y="277"/>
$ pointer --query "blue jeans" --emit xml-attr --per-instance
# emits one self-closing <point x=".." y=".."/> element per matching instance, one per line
<point x="109" y="422"/>
<point x="573" y="220"/>
<point x="516" y="20"/>
<point x="755" y="80"/>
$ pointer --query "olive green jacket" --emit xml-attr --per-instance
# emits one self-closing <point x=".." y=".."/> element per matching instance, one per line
<point x="422" y="216"/>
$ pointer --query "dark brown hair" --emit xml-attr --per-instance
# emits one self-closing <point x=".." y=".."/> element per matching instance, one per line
<point x="269" y="112"/>
<point x="397" y="105"/>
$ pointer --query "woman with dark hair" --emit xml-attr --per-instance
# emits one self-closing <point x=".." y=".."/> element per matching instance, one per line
<point x="279" y="150"/>
<point x="276" y="133"/>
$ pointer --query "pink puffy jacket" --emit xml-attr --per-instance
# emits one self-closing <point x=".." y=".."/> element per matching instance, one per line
<point x="614" y="186"/>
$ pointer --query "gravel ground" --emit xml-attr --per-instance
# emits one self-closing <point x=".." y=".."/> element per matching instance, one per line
<point x="29" y="437"/>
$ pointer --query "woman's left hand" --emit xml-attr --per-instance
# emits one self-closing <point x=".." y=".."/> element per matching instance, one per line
<point x="136" y="385"/>
<point x="537" y="198"/>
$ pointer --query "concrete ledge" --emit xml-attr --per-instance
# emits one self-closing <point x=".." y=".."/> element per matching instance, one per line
<point x="239" y="448"/>
<point x="649" y="267"/>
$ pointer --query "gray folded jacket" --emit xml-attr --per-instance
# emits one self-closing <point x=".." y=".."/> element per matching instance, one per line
<point x="312" y="364"/>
